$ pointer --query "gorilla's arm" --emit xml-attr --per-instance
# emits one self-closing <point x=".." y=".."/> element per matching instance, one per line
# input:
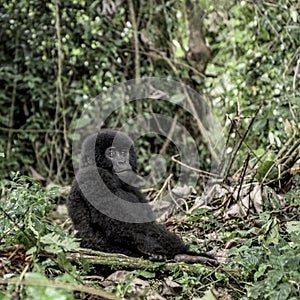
<point x="107" y="194"/>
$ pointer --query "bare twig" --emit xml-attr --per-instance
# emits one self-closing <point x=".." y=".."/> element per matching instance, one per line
<point x="177" y="200"/>
<point x="288" y="65"/>
<point x="204" y="173"/>
<point x="136" y="40"/>
<point x="13" y="100"/>
<point x="60" y="95"/>
<point x="169" y="137"/>
<point x="245" y="166"/>
<point x="31" y="130"/>
<point x="163" y="187"/>
<point x="60" y="92"/>
<point x="296" y="73"/>
<point x="243" y="138"/>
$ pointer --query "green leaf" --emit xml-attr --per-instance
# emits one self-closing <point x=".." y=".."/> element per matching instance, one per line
<point x="283" y="293"/>
<point x="266" y="171"/>
<point x="271" y="229"/>
<point x="261" y="271"/>
<point x="56" y="244"/>
<point x="31" y="226"/>
<point x="4" y="297"/>
<point x="31" y="250"/>
<point x="294" y="13"/>
<point x="273" y="277"/>
<point x="293" y="227"/>
<point x="42" y="289"/>
<point x="145" y="274"/>
<point x="208" y="295"/>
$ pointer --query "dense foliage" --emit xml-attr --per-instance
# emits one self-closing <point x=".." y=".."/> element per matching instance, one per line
<point x="57" y="56"/>
<point x="255" y="60"/>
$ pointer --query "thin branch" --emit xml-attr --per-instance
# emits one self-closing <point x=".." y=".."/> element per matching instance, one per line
<point x="243" y="138"/>
<point x="31" y="130"/>
<point x="204" y="173"/>
<point x="60" y="56"/>
<point x="297" y="71"/>
<point x="245" y="166"/>
<point x="123" y="261"/>
<point x="178" y="206"/>
<point x="163" y="187"/>
<point x="288" y="65"/>
<point x="13" y="100"/>
<point x="169" y="137"/>
<point x="60" y="96"/>
<point x="136" y="40"/>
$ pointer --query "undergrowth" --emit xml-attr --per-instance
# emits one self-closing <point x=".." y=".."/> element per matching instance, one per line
<point x="263" y="257"/>
<point x="36" y="244"/>
<point x="269" y="260"/>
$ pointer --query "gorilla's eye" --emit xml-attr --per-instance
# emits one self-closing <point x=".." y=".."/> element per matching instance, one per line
<point x="123" y="152"/>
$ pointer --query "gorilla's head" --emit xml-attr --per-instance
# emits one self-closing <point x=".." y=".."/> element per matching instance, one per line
<point x="113" y="151"/>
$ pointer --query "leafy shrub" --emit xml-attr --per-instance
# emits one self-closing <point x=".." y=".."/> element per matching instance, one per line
<point x="24" y="207"/>
<point x="23" y="218"/>
<point x="271" y="266"/>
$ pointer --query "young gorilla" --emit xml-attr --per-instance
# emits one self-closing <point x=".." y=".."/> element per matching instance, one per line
<point x="103" y="220"/>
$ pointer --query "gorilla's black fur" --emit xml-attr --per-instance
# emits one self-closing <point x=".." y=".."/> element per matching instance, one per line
<point x="101" y="232"/>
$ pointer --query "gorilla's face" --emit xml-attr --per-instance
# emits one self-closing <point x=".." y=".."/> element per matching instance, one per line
<point x="119" y="158"/>
<point x="110" y="150"/>
<point x="114" y="151"/>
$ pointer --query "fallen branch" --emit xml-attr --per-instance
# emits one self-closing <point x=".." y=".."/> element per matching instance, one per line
<point x="127" y="262"/>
